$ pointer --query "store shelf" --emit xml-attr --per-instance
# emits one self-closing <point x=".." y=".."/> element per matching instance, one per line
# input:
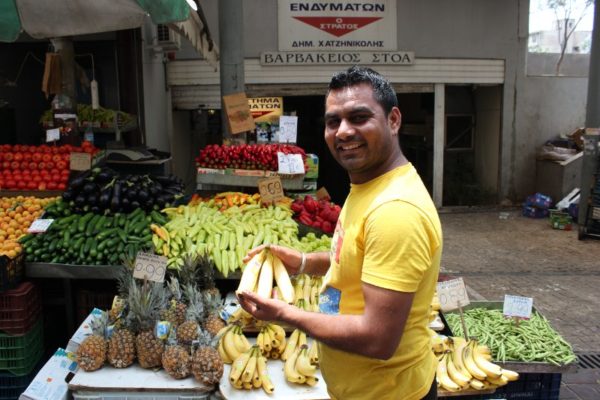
<point x="70" y="271"/>
<point x="295" y="182"/>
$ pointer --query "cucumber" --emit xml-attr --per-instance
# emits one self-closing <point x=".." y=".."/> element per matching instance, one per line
<point x="91" y="225"/>
<point x="83" y="221"/>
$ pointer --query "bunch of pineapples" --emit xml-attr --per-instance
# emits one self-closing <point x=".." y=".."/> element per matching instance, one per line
<point x="172" y="326"/>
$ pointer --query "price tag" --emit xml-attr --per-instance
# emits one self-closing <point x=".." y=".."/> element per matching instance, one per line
<point x="290" y="164"/>
<point x="52" y="135"/>
<point x="80" y="161"/>
<point x="270" y="190"/>
<point x="40" y="225"/>
<point x="150" y="266"/>
<point x="517" y="306"/>
<point x="288" y="129"/>
<point x="452" y="294"/>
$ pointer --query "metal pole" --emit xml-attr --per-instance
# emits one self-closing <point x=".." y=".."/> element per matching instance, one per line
<point x="592" y="120"/>
<point x="231" y="61"/>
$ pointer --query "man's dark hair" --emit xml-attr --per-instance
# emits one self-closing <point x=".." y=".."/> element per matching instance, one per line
<point x="383" y="92"/>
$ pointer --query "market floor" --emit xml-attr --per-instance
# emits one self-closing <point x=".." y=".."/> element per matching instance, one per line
<point x="500" y="252"/>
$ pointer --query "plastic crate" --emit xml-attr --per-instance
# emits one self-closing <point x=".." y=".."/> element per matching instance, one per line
<point x="19" y="322"/>
<point x="11" y="386"/>
<point x="12" y="271"/>
<point x="20" y="309"/>
<point x="20" y="354"/>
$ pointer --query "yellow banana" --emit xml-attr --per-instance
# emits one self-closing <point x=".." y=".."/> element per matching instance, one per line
<point x="289" y="369"/>
<point x="457" y="357"/>
<point x="265" y="279"/>
<point x="261" y="366"/>
<point x="238" y="339"/>
<point x="443" y="378"/>
<point x="476" y="384"/>
<point x="301" y="339"/>
<point x="237" y="384"/>
<point x="238" y="366"/>
<point x="291" y="345"/>
<point x="267" y="341"/>
<point x="250" y="366"/>
<point x="224" y="356"/>
<point x="313" y="353"/>
<point x="457" y="376"/>
<point x="260" y="342"/>
<point x="500" y="381"/>
<point x="256" y="381"/>
<point x="470" y="364"/>
<point x="229" y="345"/>
<point x="312" y="380"/>
<point x="251" y="271"/>
<point x="491" y="370"/>
<point x="283" y="280"/>
<point x="247" y="385"/>
<point x="510" y="375"/>
<point x="303" y="364"/>
<point x="278" y="331"/>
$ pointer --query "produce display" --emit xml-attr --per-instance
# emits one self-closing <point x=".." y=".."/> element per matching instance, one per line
<point x="534" y="340"/>
<point x="103" y="190"/>
<point x="319" y="214"/>
<point x="246" y="156"/>
<point x="466" y="364"/>
<point x="102" y="117"/>
<point x="16" y="215"/>
<point x="42" y="167"/>
<point x="224" y="200"/>
<point x="91" y="239"/>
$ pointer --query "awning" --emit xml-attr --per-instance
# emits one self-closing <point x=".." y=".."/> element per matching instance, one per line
<point x="197" y="33"/>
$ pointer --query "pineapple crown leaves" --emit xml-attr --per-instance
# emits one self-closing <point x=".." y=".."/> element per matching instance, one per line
<point x="206" y="272"/>
<point x="188" y="272"/>
<point x="145" y="301"/>
<point x="195" y="310"/>
<point x="212" y="301"/>
<point x="124" y="279"/>
<point x="174" y="288"/>
<point x="99" y="323"/>
<point x="205" y="339"/>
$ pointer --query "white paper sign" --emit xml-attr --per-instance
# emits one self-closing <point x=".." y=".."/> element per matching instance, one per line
<point x="517" y="306"/>
<point x="288" y="129"/>
<point x="40" y="225"/>
<point x="150" y="266"/>
<point x="80" y="161"/>
<point x="290" y="163"/>
<point x="452" y="294"/>
<point x="52" y="135"/>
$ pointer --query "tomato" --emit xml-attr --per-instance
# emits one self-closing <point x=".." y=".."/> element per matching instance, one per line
<point x="41" y="165"/>
<point x="36" y="178"/>
<point x="24" y="165"/>
<point x="31" y="185"/>
<point x="65" y="172"/>
<point x="6" y="165"/>
<point x="18" y="156"/>
<point x="51" y="185"/>
<point x="55" y="178"/>
<point x="15" y="165"/>
<point x="42" y="186"/>
<point x="11" y="184"/>
<point x="36" y="157"/>
<point x="44" y="148"/>
<point x="62" y="186"/>
<point x="32" y="166"/>
<point x="35" y="172"/>
<point x="66" y="157"/>
<point x="61" y="165"/>
<point x="32" y="149"/>
<point x="8" y="156"/>
<point x="56" y="157"/>
<point x="46" y="157"/>
<point x="21" y="184"/>
<point x="27" y="156"/>
<point x="54" y="171"/>
<point x="49" y="165"/>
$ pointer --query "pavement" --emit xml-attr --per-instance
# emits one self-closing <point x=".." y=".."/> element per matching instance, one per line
<point x="497" y="251"/>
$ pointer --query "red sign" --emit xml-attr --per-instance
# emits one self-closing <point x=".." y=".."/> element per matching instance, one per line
<point x="338" y="26"/>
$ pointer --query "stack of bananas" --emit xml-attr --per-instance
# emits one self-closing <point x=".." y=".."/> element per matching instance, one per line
<point x="301" y="361"/>
<point x="271" y="340"/>
<point x="435" y="307"/>
<point x="259" y="273"/>
<point x="466" y="364"/>
<point x="249" y="371"/>
<point x="307" y="287"/>
<point x="232" y="343"/>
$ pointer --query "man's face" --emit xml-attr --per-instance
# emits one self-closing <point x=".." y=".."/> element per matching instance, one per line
<point x="359" y="135"/>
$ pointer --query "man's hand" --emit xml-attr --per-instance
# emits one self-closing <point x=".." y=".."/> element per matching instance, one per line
<point x="262" y="308"/>
<point x="291" y="258"/>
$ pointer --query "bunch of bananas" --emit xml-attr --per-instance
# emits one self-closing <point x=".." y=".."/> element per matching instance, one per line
<point x="434" y="310"/>
<point x="271" y="340"/>
<point x="259" y="273"/>
<point x="467" y="364"/>
<point x="307" y="287"/>
<point x="301" y="365"/>
<point x="249" y="371"/>
<point x="232" y="343"/>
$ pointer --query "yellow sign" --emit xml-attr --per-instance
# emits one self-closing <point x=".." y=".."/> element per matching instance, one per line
<point x="266" y="109"/>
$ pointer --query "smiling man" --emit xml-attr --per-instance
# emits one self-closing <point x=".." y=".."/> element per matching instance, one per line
<point x="382" y="269"/>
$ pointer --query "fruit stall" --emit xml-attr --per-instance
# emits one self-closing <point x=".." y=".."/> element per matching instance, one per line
<point x="172" y="326"/>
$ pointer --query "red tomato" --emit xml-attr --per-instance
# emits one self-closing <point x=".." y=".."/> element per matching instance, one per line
<point x="15" y="165"/>
<point x="42" y="186"/>
<point x="55" y="178"/>
<point x="31" y="185"/>
<point x="6" y="165"/>
<point x="41" y="165"/>
<point x="35" y="172"/>
<point x="51" y="185"/>
<point x="27" y="156"/>
<point x="36" y="178"/>
<point x="56" y="157"/>
<point x="24" y="165"/>
<point x="62" y="186"/>
<point x="61" y="165"/>
<point x="44" y="148"/>
<point x="32" y="166"/>
<point x="21" y="184"/>
<point x="65" y="172"/>
<point x="8" y="156"/>
<point x="36" y="157"/>
<point x="46" y="157"/>
<point x="49" y="165"/>
<point x="18" y="156"/>
<point x="32" y="149"/>
<point x="54" y="171"/>
<point x="67" y="156"/>
<point x="11" y="184"/>
<point x="53" y="149"/>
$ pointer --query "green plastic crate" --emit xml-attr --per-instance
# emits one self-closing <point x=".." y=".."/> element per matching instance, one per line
<point x="20" y="354"/>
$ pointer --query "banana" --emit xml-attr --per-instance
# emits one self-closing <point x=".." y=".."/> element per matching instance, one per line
<point x="278" y="331"/>
<point x="476" y="384"/>
<point x="267" y="341"/>
<point x="303" y="364"/>
<point x="261" y="366"/>
<point x="301" y="339"/>
<point x="283" y="281"/>
<point x="491" y="370"/>
<point x="500" y="381"/>
<point x="256" y="380"/>
<point x="251" y="365"/>
<point x="510" y="375"/>
<point x="229" y="345"/>
<point x="289" y="368"/>
<point x="470" y="365"/>
<point x="457" y="357"/>
<point x="224" y="356"/>
<point x="251" y="271"/>
<point x="312" y="380"/>
<point x="443" y="378"/>
<point x="238" y="339"/>
<point x="239" y="365"/>
<point x="291" y="345"/>
<point x="260" y="342"/>
<point x="313" y="353"/>
<point x="457" y="376"/>
<point x="265" y="279"/>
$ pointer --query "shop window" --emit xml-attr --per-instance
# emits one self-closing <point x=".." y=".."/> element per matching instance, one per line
<point x="459" y="132"/>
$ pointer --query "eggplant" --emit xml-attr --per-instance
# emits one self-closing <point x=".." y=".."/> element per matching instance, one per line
<point x="115" y="201"/>
<point x="89" y="188"/>
<point x="92" y="199"/>
<point x="135" y="204"/>
<point x="126" y="204"/>
<point x="104" y="176"/>
<point x="67" y="195"/>
<point x="80" y="200"/>
<point x="104" y="199"/>
<point x="142" y="195"/>
<point x="95" y="209"/>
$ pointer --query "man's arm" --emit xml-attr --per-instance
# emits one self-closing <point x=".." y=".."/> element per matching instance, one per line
<point x="317" y="263"/>
<point x="376" y="333"/>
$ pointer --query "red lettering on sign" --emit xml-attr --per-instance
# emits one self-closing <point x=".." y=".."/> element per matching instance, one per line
<point x="256" y="114"/>
<point x="338" y="26"/>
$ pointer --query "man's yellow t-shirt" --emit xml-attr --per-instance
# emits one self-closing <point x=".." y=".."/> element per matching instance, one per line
<point x="388" y="235"/>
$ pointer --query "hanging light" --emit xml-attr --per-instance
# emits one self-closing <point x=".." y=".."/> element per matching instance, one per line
<point x="192" y="4"/>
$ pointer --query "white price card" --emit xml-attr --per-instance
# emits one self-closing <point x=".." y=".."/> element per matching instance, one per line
<point x="150" y="266"/>
<point x="517" y="306"/>
<point x="52" y="135"/>
<point x="291" y="164"/>
<point x="288" y="129"/>
<point x="80" y="161"/>
<point x="40" y="225"/>
<point x="452" y="294"/>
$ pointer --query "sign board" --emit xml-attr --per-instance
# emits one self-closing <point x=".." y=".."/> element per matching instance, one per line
<point x="290" y="164"/>
<point x="288" y="129"/>
<point x="150" y="266"/>
<point x="80" y="161"/>
<point x="238" y="113"/>
<point x="52" y="135"/>
<point x="266" y="109"/>
<point x="452" y="294"/>
<point x="40" y="225"/>
<point x="336" y="25"/>
<point x="517" y="306"/>
<point x="269" y="58"/>
<point x="270" y="190"/>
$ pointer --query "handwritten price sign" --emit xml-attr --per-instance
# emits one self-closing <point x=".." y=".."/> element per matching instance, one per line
<point x="517" y="306"/>
<point x="270" y="190"/>
<point x="452" y="294"/>
<point x="150" y="266"/>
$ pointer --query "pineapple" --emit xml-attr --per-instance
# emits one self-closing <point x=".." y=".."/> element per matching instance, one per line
<point x="176" y="359"/>
<point x="121" y="348"/>
<point x="205" y="274"/>
<point x="207" y="365"/>
<point x="189" y="330"/>
<point x="91" y="354"/>
<point x="175" y="310"/>
<point x="144" y="303"/>
<point x="213" y="303"/>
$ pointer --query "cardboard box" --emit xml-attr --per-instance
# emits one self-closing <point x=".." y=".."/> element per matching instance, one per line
<point x="83" y="331"/>
<point x="50" y="383"/>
